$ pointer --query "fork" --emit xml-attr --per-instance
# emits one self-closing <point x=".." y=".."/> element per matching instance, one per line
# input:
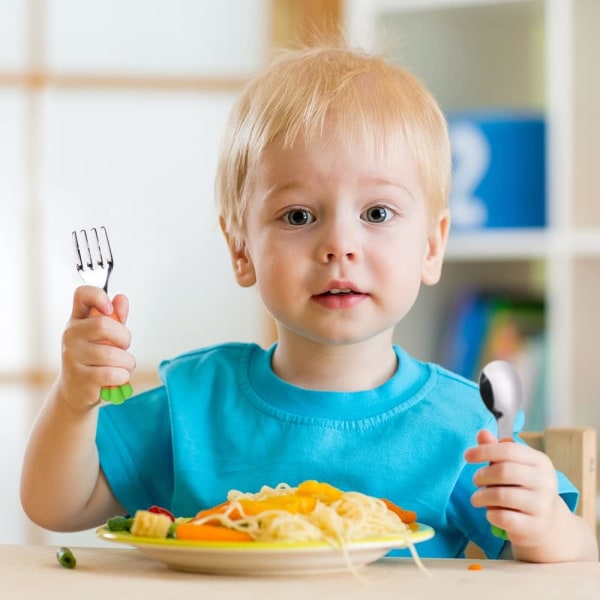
<point x="94" y="263"/>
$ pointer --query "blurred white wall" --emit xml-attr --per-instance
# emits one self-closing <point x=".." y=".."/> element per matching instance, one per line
<point x="138" y="159"/>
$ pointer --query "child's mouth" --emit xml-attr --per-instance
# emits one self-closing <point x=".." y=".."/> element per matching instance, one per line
<point x="340" y="298"/>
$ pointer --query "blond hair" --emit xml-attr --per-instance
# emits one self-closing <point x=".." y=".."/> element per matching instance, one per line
<point x="368" y="101"/>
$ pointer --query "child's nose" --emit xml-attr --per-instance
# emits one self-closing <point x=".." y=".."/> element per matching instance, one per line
<point x="339" y="241"/>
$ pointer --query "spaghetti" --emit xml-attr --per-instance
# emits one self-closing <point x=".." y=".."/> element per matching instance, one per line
<point x="309" y="513"/>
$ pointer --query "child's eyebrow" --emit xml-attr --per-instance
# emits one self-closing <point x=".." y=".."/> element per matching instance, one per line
<point x="300" y="183"/>
<point x="289" y="185"/>
<point x="381" y="181"/>
<point x="284" y="186"/>
<point x="386" y="182"/>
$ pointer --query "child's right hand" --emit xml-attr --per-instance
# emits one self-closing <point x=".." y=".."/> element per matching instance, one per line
<point x="94" y="347"/>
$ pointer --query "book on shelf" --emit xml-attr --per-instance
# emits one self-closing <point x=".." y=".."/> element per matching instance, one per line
<point x="486" y="326"/>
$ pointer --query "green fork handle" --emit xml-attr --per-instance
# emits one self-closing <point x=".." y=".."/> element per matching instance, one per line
<point x="119" y="393"/>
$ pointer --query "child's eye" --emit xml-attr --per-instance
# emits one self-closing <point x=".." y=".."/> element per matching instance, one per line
<point x="298" y="217"/>
<point x="377" y="214"/>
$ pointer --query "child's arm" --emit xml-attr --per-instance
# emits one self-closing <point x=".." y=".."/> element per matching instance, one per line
<point x="520" y="492"/>
<point x="62" y="485"/>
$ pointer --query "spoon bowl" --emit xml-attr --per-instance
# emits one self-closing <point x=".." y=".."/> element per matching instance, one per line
<point x="500" y="390"/>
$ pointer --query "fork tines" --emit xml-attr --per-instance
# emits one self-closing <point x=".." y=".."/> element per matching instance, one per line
<point x="93" y="253"/>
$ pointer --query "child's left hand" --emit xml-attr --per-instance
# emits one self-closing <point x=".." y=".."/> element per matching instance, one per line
<point x="518" y="487"/>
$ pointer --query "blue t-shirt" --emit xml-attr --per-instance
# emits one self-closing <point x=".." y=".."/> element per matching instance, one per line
<point x="223" y="420"/>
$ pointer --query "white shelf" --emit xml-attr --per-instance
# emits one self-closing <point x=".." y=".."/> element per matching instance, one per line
<point x="492" y="245"/>
<point x="523" y="244"/>
<point x="544" y="61"/>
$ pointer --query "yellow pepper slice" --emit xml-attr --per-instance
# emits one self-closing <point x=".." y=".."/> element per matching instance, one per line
<point x="319" y="490"/>
<point x="288" y="502"/>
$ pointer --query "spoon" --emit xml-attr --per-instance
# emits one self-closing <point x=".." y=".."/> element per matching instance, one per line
<point x="500" y="390"/>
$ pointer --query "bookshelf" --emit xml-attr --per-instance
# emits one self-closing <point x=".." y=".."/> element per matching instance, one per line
<point x="516" y="54"/>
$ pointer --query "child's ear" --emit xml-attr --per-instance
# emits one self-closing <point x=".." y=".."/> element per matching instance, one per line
<point x="436" y="247"/>
<point x="243" y="269"/>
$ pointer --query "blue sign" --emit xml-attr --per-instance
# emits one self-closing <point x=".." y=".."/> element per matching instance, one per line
<point x="499" y="170"/>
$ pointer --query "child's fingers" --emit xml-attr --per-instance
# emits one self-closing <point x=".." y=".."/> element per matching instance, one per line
<point x="88" y="297"/>
<point x="95" y="346"/>
<point x="102" y="354"/>
<point x="90" y="301"/>
<point x="514" y="498"/>
<point x="101" y="343"/>
<point x="517" y="486"/>
<point x="521" y="512"/>
<point x="524" y="528"/>
<point x="506" y="473"/>
<point x="503" y="451"/>
<point x="519" y="525"/>
<point x="82" y="384"/>
<point x="96" y="376"/>
<point x="99" y="329"/>
<point x="88" y="366"/>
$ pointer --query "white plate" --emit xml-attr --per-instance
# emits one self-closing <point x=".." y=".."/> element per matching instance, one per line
<point x="264" y="558"/>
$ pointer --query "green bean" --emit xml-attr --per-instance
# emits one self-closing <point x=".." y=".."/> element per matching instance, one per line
<point x="66" y="558"/>
<point x="119" y="523"/>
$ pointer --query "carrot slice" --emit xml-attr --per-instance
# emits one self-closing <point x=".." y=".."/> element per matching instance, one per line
<point x="407" y="516"/>
<point x="219" y="509"/>
<point x="213" y="533"/>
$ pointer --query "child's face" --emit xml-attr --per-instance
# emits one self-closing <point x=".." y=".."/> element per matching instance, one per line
<point x="323" y="220"/>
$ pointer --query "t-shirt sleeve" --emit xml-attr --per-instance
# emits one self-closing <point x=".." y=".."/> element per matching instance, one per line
<point x="567" y="491"/>
<point x="135" y="450"/>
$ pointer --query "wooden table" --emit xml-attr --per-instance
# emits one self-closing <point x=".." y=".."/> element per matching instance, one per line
<point x="103" y="573"/>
